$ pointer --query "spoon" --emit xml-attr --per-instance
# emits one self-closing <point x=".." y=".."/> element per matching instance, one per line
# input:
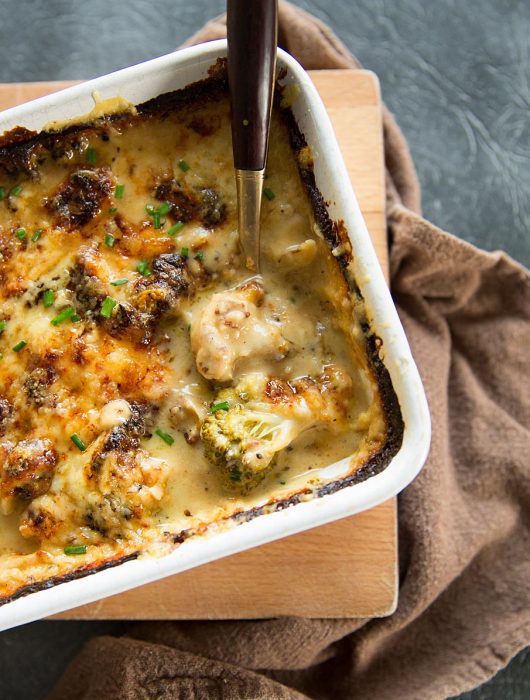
<point x="252" y="30"/>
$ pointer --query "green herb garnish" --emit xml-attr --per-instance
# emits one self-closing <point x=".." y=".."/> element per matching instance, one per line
<point x="36" y="235"/>
<point x="91" y="156"/>
<point x="112" y="210"/>
<point x="118" y="283"/>
<point x="78" y="442"/>
<point x="20" y="233"/>
<point x="3" y="324"/>
<point x="184" y="252"/>
<point x="235" y="475"/>
<point x="143" y="268"/>
<point x="200" y="256"/>
<point x="168" y="439"/>
<point x="20" y="346"/>
<point x="17" y="189"/>
<point x="109" y="240"/>
<point x="221" y="406"/>
<point x="76" y="549"/>
<point x="183" y="165"/>
<point x="75" y="318"/>
<point x="2" y="193"/>
<point x="118" y="191"/>
<point x="268" y="193"/>
<point x="173" y="230"/>
<point x="158" y="212"/>
<point x="107" y="307"/>
<point x="48" y="298"/>
<point x="63" y="316"/>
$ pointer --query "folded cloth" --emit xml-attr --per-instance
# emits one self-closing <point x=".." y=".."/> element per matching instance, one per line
<point x="464" y="523"/>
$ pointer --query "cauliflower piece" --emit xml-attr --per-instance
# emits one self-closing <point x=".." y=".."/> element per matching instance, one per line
<point x="111" y="489"/>
<point x="252" y="422"/>
<point x="233" y="325"/>
<point x="188" y="410"/>
<point x="26" y="471"/>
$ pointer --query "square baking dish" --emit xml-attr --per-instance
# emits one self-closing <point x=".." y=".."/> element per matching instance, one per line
<point x="139" y="84"/>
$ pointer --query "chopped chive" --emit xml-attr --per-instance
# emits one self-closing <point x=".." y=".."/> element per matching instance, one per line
<point x="91" y="156"/>
<point x="17" y="189"/>
<point x="221" y="406"/>
<point x="149" y="208"/>
<point x="235" y="475"/>
<point x="78" y="442"/>
<point x="118" y="283"/>
<point x="36" y="235"/>
<point x="76" y="549"/>
<point x="2" y="193"/>
<point x="63" y="316"/>
<point x="184" y="252"/>
<point x="112" y="210"/>
<point x="173" y="230"/>
<point x="268" y="193"/>
<point x="183" y="165"/>
<point x="200" y="256"/>
<point x="20" y="346"/>
<point x="164" y="208"/>
<point x="107" y="307"/>
<point x="156" y="219"/>
<point x="168" y="439"/>
<point x="118" y="191"/>
<point x="109" y="240"/>
<point x="20" y="233"/>
<point x="48" y="298"/>
<point x="75" y="318"/>
<point x="143" y="268"/>
<point x="283" y="483"/>
<point x="3" y="324"/>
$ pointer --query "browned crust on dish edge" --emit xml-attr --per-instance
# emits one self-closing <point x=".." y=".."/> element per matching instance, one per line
<point x="335" y="235"/>
<point x="19" y="145"/>
<point x="80" y="572"/>
<point x="24" y="143"/>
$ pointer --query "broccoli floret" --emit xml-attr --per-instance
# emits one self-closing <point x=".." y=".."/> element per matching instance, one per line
<point x="244" y="442"/>
<point x="252" y="422"/>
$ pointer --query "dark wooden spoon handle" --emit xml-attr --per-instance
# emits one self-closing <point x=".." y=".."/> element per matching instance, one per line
<point x="252" y="36"/>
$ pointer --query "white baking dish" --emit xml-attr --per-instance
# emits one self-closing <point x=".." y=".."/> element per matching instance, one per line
<point x="138" y="84"/>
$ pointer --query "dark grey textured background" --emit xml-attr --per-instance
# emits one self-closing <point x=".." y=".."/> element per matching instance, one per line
<point x="456" y="73"/>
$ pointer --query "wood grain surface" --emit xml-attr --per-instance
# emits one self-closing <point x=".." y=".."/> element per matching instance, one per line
<point x="347" y="568"/>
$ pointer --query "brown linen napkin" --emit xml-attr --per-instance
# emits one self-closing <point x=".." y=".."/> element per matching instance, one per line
<point x="464" y="523"/>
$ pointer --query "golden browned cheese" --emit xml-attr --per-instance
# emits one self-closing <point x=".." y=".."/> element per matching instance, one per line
<point x="126" y="312"/>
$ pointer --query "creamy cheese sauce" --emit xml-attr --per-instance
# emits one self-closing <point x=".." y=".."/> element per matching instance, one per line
<point x="98" y="376"/>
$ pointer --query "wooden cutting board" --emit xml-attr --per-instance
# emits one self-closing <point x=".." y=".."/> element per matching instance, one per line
<point x="347" y="568"/>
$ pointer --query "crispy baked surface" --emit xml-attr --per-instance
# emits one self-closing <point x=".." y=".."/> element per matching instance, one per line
<point x="149" y="386"/>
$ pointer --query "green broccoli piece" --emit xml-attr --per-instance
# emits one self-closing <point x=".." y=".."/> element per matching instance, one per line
<point x="253" y="421"/>
<point x="243" y="443"/>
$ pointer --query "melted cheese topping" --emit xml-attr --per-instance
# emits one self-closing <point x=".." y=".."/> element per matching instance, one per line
<point x="101" y="108"/>
<point x="82" y="377"/>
